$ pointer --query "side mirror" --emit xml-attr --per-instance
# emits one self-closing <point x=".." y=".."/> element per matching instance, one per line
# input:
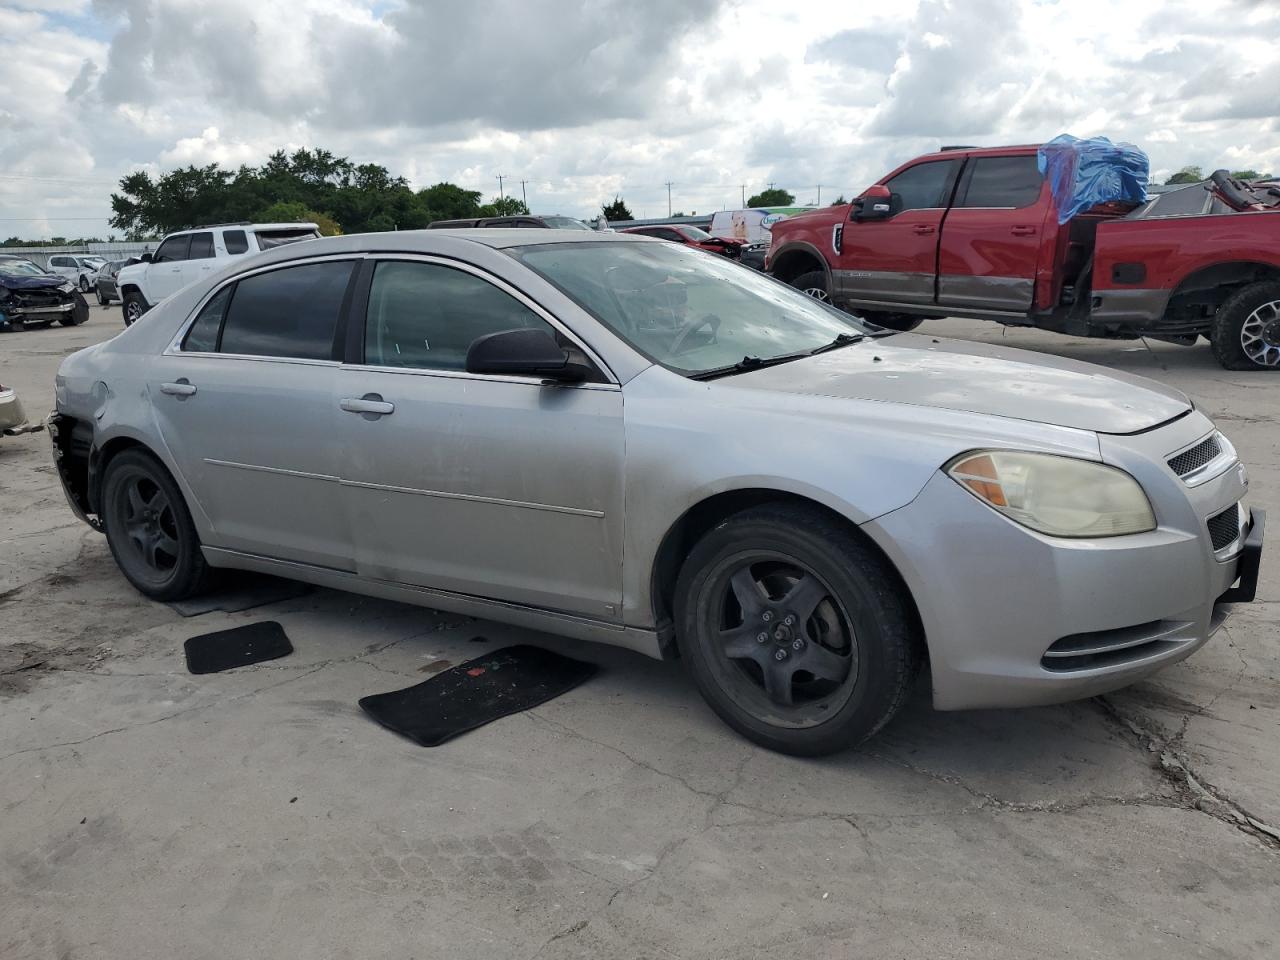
<point x="876" y="203"/>
<point x="529" y="352"/>
<point x="145" y="258"/>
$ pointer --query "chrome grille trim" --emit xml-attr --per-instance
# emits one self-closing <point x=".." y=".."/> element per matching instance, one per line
<point x="1203" y="460"/>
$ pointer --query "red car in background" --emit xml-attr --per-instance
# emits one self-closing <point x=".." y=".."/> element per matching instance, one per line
<point x="693" y="237"/>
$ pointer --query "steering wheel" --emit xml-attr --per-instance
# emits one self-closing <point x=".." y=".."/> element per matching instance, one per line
<point x="689" y="326"/>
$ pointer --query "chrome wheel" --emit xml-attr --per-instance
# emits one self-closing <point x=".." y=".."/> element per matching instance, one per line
<point x="132" y="311"/>
<point x="1260" y="335"/>
<point x="783" y="643"/>
<point x="818" y="293"/>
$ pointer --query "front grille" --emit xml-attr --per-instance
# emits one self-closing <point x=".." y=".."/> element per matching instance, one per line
<point x="1196" y="457"/>
<point x="1224" y="527"/>
<point x="39" y="298"/>
<point x="1113" y="648"/>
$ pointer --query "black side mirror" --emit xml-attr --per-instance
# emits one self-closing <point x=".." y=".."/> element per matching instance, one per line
<point x="146" y="258"/>
<point x="528" y="352"/>
<point x="876" y="203"/>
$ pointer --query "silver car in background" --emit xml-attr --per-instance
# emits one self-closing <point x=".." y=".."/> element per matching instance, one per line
<point x="641" y="444"/>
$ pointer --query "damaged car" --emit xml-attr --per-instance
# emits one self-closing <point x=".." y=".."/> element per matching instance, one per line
<point x="30" y="296"/>
<point x="630" y="442"/>
<point x="13" y="419"/>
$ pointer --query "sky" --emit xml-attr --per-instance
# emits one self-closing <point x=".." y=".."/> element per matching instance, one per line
<point x="587" y="99"/>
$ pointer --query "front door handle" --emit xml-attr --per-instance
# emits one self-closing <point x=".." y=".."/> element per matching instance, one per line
<point x="182" y="388"/>
<point x="920" y="229"/>
<point x="1023" y="231"/>
<point x="371" y="405"/>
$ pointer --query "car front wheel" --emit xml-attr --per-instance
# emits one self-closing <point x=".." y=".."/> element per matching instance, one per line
<point x="797" y="632"/>
<point x="84" y="283"/>
<point x="133" y="307"/>
<point x="149" y="528"/>
<point x="78" y="315"/>
<point x="103" y="300"/>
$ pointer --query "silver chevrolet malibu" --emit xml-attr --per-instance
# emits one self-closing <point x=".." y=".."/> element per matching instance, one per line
<point x="645" y="445"/>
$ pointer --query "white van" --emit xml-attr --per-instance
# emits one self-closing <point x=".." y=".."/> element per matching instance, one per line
<point x="752" y="225"/>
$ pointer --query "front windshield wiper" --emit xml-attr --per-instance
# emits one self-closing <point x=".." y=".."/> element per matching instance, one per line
<point x="841" y="340"/>
<point x="745" y="364"/>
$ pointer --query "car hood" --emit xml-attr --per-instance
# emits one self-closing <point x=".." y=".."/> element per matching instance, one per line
<point x="31" y="283"/>
<point x="979" y="378"/>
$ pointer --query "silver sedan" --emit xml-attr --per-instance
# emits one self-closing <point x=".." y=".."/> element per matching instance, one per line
<point x="641" y="444"/>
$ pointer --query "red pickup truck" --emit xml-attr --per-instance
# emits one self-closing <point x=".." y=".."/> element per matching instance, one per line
<point x="975" y="233"/>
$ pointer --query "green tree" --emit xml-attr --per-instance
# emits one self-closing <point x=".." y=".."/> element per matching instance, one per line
<point x="503" y="207"/>
<point x="617" y="210"/>
<point x="1186" y="175"/>
<point x="773" y="197"/>
<point x="448" y="201"/>
<point x="839" y="200"/>
<point x="291" y="211"/>
<point x="1246" y="175"/>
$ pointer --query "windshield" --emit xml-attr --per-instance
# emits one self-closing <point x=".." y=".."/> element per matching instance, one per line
<point x="696" y="233"/>
<point x="20" y="268"/>
<point x="690" y="312"/>
<point x="565" y="223"/>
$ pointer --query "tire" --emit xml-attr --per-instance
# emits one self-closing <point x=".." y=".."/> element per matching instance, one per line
<point x="857" y="630"/>
<point x="102" y="301"/>
<point x="1246" y="329"/>
<point x="78" y="315"/>
<point x="901" y="322"/>
<point x="84" y="283"/>
<point x="149" y="528"/>
<point x="133" y="306"/>
<point x="814" y="283"/>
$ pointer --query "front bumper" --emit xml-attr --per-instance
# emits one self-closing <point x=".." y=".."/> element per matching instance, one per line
<point x="1013" y="618"/>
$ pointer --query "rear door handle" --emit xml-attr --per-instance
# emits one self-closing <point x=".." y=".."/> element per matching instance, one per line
<point x="1023" y="231"/>
<point x="183" y="388"/>
<point x="922" y="229"/>
<point x="369" y="404"/>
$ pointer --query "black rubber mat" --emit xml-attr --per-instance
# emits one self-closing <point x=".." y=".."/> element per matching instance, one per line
<point x="237" y="647"/>
<point x="236" y="591"/>
<point x="476" y="692"/>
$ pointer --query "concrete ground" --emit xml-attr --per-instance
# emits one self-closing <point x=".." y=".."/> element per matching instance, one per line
<point x="257" y="813"/>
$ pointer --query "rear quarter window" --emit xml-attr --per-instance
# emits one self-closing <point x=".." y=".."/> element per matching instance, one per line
<point x="236" y="241"/>
<point x="275" y="238"/>
<point x="1001" y="182"/>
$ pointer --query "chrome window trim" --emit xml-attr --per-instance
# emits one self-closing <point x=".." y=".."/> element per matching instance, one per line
<point x="513" y="292"/>
<point x="175" y="344"/>
<point x="464" y="375"/>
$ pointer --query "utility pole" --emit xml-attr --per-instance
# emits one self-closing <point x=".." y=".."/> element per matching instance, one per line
<point x="501" y="177"/>
<point x="819" y="195"/>
<point x="668" y="198"/>
<point x="744" y="196"/>
<point x="524" y="196"/>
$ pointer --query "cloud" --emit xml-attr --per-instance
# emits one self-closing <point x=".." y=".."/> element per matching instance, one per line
<point x="858" y="49"/>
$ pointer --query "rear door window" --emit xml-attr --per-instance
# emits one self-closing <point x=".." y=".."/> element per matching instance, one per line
<point x="173" y="250"/>
<point x="236" y="241"/>
<point x="291" y="312"/>
<point x="922" y="187"/>
<point x="1000" y="182"/>
<point x="201" y="246"/>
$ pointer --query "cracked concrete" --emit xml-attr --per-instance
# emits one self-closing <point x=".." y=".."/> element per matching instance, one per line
<point x="150" y="813"/>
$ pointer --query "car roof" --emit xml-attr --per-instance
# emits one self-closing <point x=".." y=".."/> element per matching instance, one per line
<point x="1018" y="150"/>
<point x="245" y="226"/>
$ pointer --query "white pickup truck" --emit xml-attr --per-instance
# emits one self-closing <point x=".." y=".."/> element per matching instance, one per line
<point x="189" y="255"/>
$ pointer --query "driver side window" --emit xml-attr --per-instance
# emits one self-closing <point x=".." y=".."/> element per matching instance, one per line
<point x="922" y="187"/>
<point x="426" y="316"/>
<point x="172" y="250"/>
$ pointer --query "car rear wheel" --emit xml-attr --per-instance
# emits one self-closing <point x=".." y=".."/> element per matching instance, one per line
<point x="1246" y="329"/>
<point x="149" y="528"/>
<point x="103" y="300"/>
<point x="78" y="315"/>
<point x="796" y="632"/>
<point x="133" y="307"/>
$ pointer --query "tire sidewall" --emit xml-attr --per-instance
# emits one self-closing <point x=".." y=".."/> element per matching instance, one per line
<point x="1227" y="325"/>
<point x="867" y="602"/>
<point x="813" y="279"/>
<point x="189" y="569"/>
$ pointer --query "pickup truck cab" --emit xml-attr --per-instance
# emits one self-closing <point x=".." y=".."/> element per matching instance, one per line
<point x="975" y="233"/>
<point x="186" y="256"/>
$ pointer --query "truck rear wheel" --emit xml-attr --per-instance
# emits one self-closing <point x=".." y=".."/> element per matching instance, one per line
<point x="1246" y="329"/>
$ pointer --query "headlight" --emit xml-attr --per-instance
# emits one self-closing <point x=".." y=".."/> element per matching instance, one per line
<point x="1060" y="496"/>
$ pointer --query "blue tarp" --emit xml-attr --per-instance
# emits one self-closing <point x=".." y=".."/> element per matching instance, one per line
<point x="1086" y="172"/>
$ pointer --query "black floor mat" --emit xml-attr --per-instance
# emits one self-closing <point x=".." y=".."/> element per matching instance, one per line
<point x="476" y="692"/>
<point x="237" y="647"/>
<point x="237" y="590"/>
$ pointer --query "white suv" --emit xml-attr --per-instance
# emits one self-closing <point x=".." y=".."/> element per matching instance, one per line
<point x="82" y="271"/>
<point x="189" y="255"/>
